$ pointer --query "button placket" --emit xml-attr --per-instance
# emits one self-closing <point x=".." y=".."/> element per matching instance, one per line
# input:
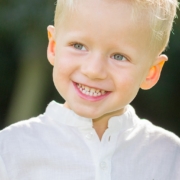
<point x="89" y="135"/>
<point x="106" y="151"/>
<point x="101" y="151"/>
<point x="103" y="165"/>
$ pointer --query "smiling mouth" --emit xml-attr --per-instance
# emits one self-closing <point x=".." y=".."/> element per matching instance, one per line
<point x="90" y="91"/>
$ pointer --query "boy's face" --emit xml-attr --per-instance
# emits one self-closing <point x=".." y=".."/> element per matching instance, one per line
<point x="100" y="47"/>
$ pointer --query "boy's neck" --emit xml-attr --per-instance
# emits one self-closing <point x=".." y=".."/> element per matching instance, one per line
<point x="101" y="124"/>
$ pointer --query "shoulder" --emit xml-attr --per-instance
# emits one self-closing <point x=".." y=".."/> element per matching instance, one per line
<point x="146" y="131"/>
<point x="16" y="137"/>
<point x="158" y="141"/>
<point x="162" y="147"/>
<point x="20" y="130"/>
<point x="24" y="128"/>
<point x="34" y="131"/>
<point x="26" y="137"/>
<point x="156" y="133"/>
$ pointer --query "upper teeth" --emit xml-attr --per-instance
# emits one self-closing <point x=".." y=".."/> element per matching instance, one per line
<point x="90" y="91"/>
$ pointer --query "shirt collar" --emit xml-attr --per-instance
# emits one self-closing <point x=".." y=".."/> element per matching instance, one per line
<point x="66" y="116"/>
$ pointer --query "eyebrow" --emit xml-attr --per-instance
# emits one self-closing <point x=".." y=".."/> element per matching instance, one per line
<point x="74" y="35"/>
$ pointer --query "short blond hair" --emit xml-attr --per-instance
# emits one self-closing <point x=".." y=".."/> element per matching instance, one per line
<point x="160" y="14"/>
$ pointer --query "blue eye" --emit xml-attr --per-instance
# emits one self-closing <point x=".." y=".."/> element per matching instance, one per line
<point x="79" y="46"/>
<point x="119" y="57"/>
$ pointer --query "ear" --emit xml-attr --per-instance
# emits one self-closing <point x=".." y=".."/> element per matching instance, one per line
<point x="154" y="72"/>
<point x="51" y="45"/>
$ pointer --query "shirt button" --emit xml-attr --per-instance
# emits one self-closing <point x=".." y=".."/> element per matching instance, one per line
<point x="103" y="165"/>
<point x="89" y="135"/>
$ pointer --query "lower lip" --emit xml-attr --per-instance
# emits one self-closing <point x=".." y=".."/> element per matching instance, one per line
<point x="90" y="98"/>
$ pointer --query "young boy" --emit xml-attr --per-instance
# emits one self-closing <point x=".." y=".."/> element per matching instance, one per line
<point x="102" y="52"/>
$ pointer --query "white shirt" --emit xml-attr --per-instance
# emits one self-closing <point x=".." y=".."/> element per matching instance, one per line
<point x="60" y="145"/>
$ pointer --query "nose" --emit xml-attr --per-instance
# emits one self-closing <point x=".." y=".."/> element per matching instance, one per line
<point x="94" y="67"/>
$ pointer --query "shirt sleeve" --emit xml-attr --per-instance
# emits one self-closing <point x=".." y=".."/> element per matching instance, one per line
<point x="176" y="165"/>
<point x="3" y="172"/>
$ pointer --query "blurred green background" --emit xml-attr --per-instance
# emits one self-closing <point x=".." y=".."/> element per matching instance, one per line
<point x="26" y="85"/>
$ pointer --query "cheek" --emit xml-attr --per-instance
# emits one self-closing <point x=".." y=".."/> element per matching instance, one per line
<point x="128" y="78"/>
<point x="61" y="77"/>
<point x="63" y="66"/>
<point x="60" y="73"/>
<point x="131" y="87"/>
<point x="128" y="82"/>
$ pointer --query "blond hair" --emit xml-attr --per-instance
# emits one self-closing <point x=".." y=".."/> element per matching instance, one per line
<point x="160" y="14"/>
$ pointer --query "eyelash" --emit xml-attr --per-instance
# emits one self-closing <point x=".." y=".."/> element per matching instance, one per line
<point x="77" y="43"/>
<point x="123" y="57"/>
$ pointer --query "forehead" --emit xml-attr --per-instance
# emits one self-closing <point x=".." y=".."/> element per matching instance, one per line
<point x="112" y="21"/>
